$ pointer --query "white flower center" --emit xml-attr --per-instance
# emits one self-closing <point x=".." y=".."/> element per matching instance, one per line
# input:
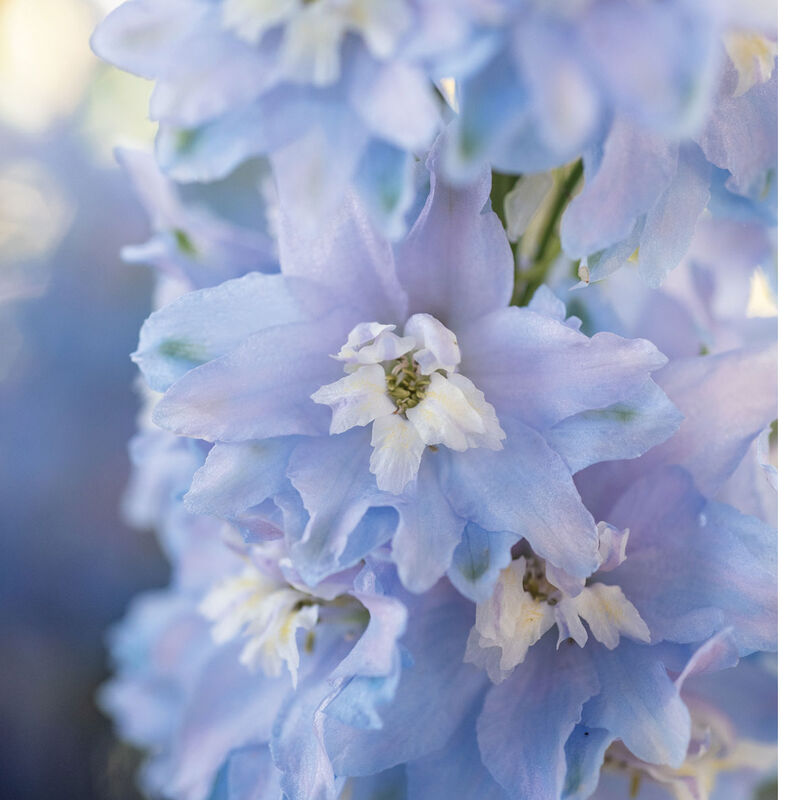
<point x="268" y="614"/>
<point x="408" y="388"/>
<point x="525" y="605"/>
<point x="314" y="30"/>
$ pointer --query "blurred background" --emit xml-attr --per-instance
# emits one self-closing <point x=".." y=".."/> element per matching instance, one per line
<point x="69" y="316"/>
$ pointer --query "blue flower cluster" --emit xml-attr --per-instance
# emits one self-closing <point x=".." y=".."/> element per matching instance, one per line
<point x="459" y="392"/>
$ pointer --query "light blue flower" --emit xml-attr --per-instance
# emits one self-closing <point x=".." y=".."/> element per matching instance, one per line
<point x="331" y="92"/>
<point x="524" y="393"/>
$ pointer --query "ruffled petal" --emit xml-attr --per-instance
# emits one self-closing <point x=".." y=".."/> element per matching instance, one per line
<point x="524" y="489"/>
<point x="428" y="532"/>
<point x="203" y="325"/>
<point x="238" y="476"/>
<point x="527" y="719"/>
<point x="436" y="691"/>
<point x="639" y="704"/>
<point x="541" y="371"/>
<point x="694" y="567"/>
<point x="456" y="262"/>
<point x="478" y="560"/>
<point x="260" y="389"/>
<point x="333" y="479"/>
<point x="397" y="453"/>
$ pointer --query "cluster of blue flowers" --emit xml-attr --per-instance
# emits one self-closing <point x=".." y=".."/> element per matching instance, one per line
<point x="449" y="516"/>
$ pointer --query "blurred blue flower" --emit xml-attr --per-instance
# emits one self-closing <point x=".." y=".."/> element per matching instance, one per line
<point x="332" y="92"/>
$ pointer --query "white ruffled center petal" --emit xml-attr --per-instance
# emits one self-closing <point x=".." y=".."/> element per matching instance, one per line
<point x="437" y="347"/>
<point x="396" y="454"/>
<point x="408" y="388"/>
<point x="267" y="614"/>
<point x="445" y="416"/>
<point x="525" y="605"/>
<point x="608" y="613"/>
<point x="357" y="399"/>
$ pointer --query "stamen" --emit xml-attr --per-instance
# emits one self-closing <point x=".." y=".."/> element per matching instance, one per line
<point x="405" y="384"/>
<point x="536" y="584"/>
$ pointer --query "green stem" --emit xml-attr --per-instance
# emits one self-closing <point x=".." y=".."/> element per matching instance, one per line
<point x="529" y="280"/>
<point x="501" y="185"/>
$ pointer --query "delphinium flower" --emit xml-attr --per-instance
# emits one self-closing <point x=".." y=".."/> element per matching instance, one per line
<point x="370" y="383"/>
<point x="670" y="107"/>
<point x="331" y="91"/>
<point x="218" y="677"/>
<point x="210" y="718"/>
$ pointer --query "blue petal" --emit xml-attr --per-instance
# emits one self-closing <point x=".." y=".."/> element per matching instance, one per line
<point x="332" y="475"/>
<point x="141" y="36"/>
<point x="656" y="62"/>
<point x="478" y="560"/>
<point x="203" y="325"/>
<point x="695" y="567"/>
<point x="585" y="752"/>
<point x="260" y="389"/>
<point x="492" y="108"/>
<point x="456" y="262"/>
<point x="248" y="774"/>
<point x="371" y="671"/>
<point x="218" y="720"/>
<point x="296" y="743"/>
<point x="670" y="225"/>
<point x="637" y="167"/>
<point x="455" y="771"/>
<point x="385" y="182"/>
<point x="236" y="477"/>
<point x="742" y="135"/>
<point x="350" y="258"/>
<point x="528" y="718"/>
<point x="540" y="370"/>
<point x="435" y="693"/>
<point x="727" y="400"/>
<point x="638" y="703"/>
<point x="428" y="531"/>
<point x="525" y="489"/>
<point x="624" y="430"/>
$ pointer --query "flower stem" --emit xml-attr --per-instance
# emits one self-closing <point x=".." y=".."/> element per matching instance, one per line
<point x="529" y="280"/>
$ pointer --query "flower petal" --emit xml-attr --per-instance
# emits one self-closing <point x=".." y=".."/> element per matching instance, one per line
<point x="456" y="262"/>
<point x="397" y="453"/>
<point x="525" y="489"/>
<point x="332" y="477"/>
<point x="436" y="691"/>
<point x="639" y="703"/>
<point x="428" y="531"/>
<point x="694" y="567"/>
<point x="527" y="719"/>
<point x="357" y="399"/>
<point x="203" y="325"/>
<point x="541" y="371"/>
<point x="260" y="389"/>
<point x="478" y="560"/>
